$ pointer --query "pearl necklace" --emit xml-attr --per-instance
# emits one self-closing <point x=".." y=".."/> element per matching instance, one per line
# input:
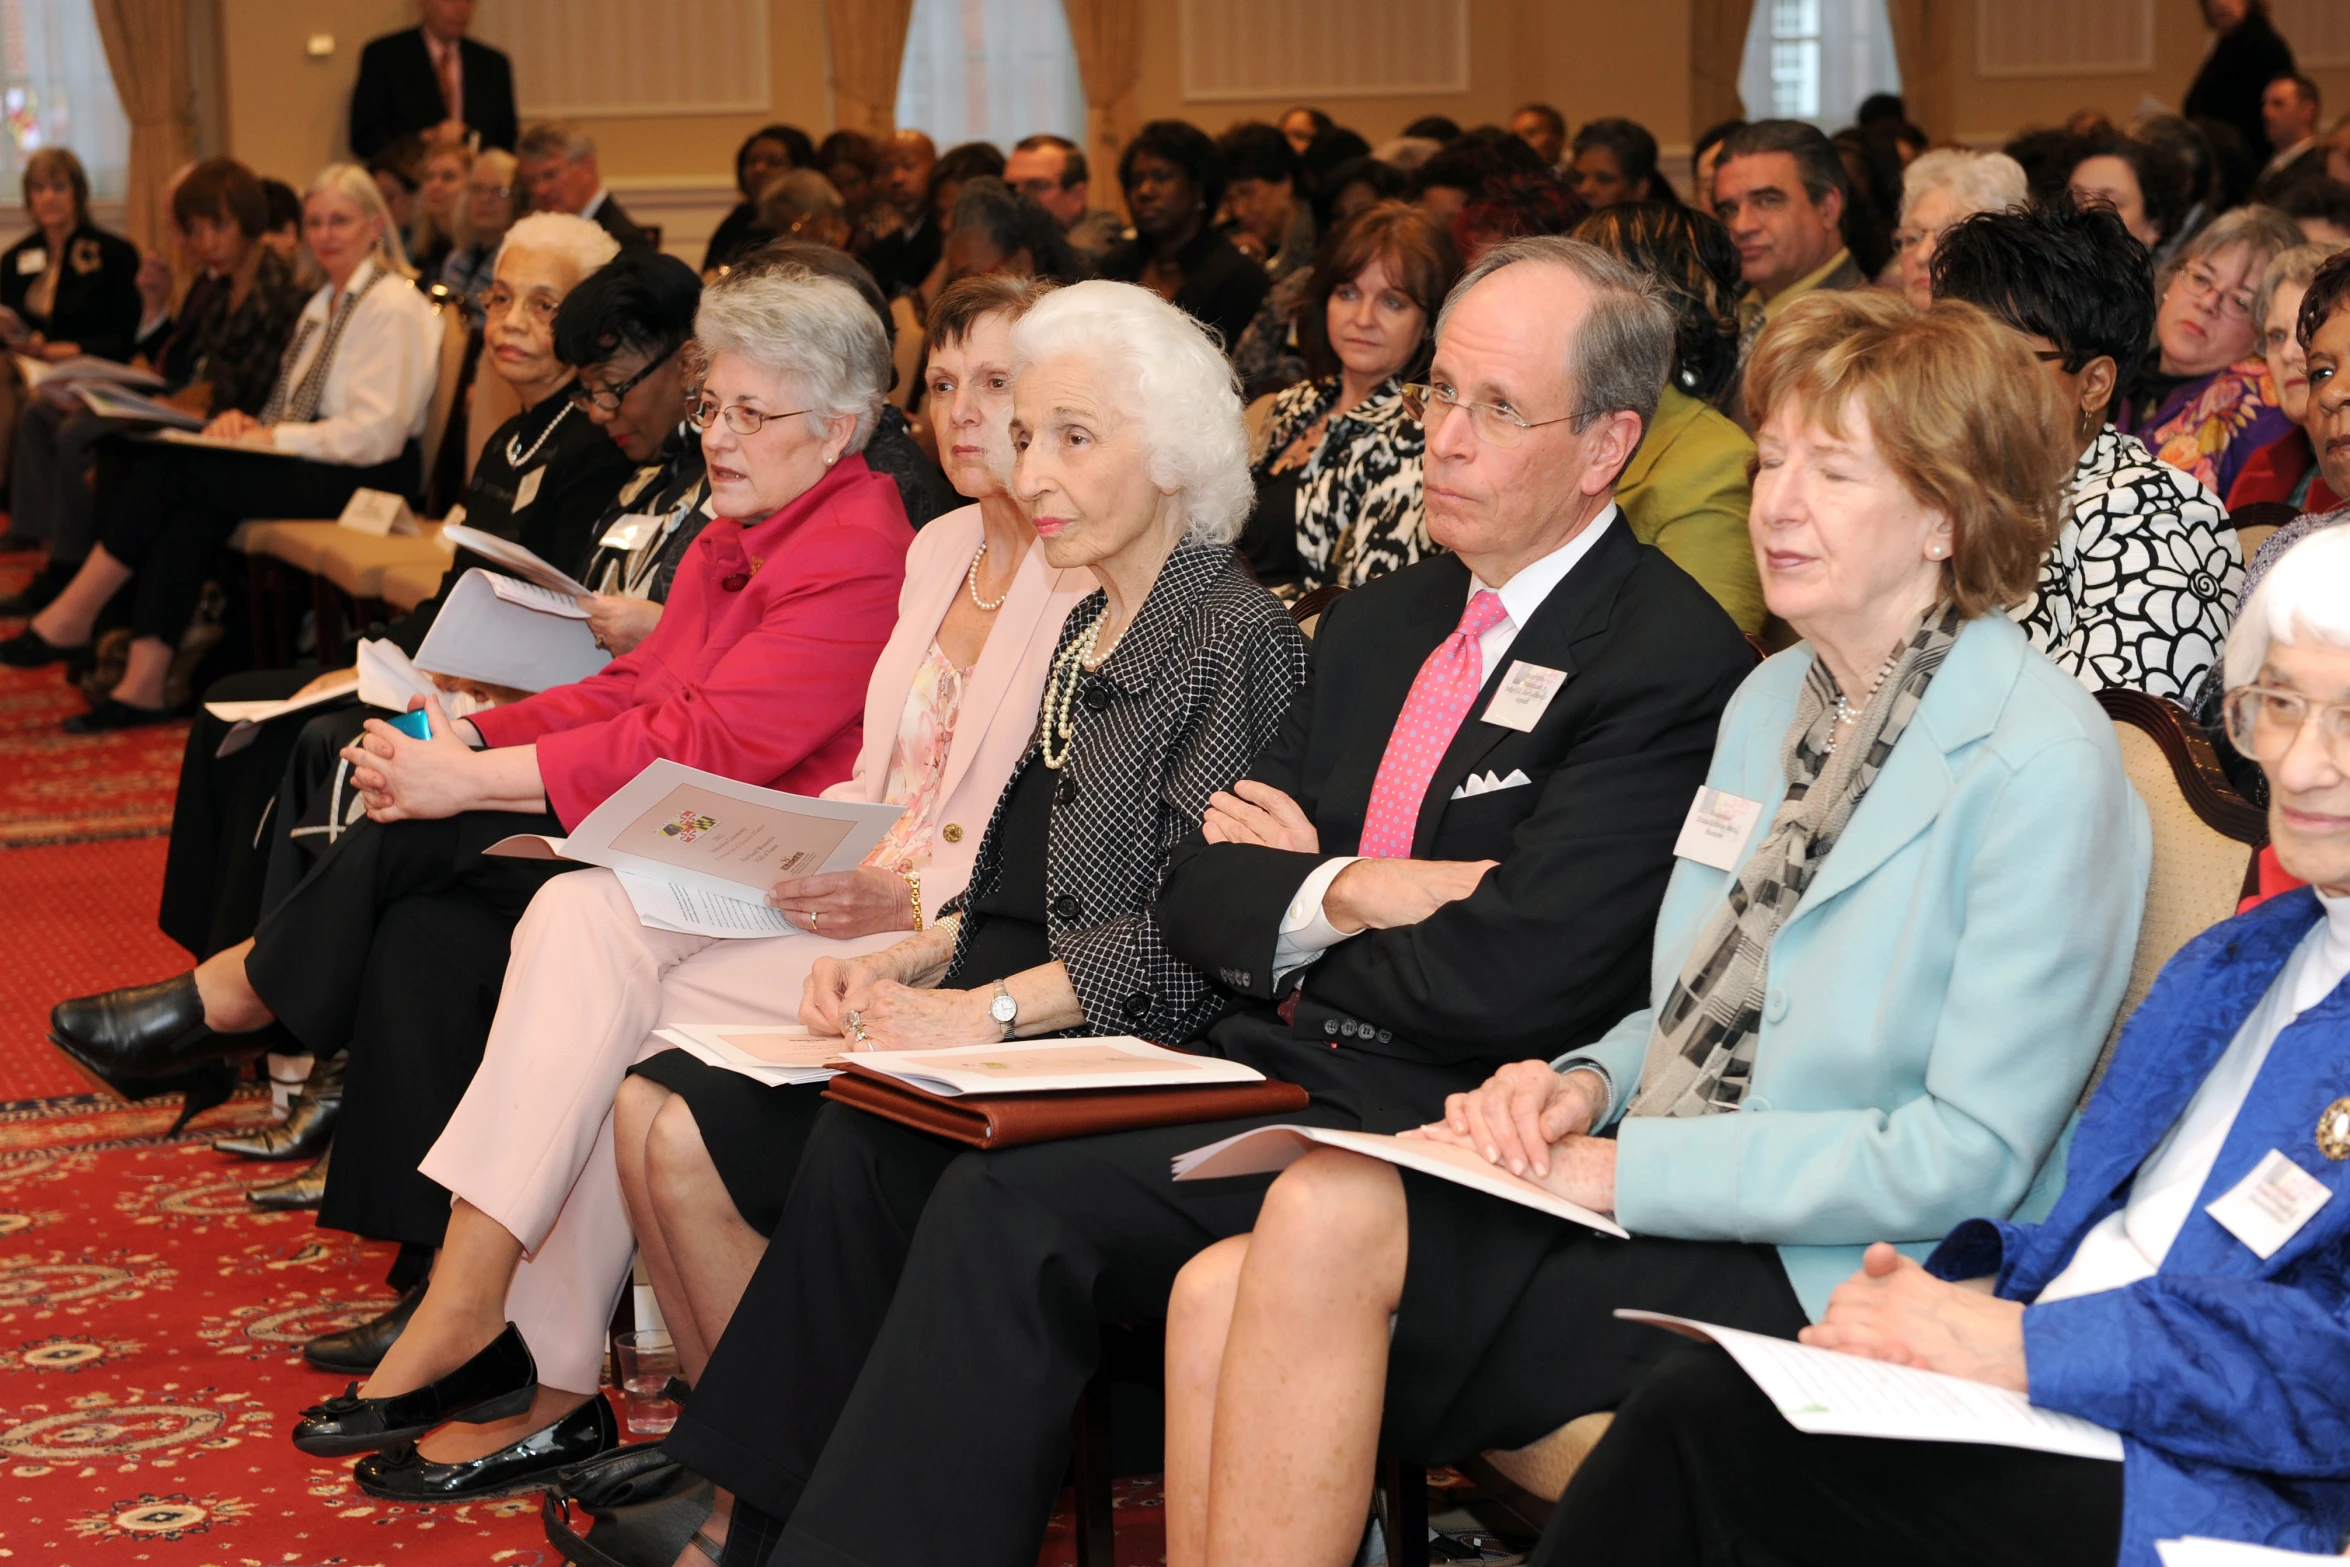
<point x="514" y="458"/>
<point x="971" y="579"/>
<point x="1846" y="713"/>
<point x="1060" y="690"/>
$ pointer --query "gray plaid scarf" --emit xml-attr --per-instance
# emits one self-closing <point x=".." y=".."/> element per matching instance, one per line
<point x="1701" y="1052"/>
<point x="299" y="404"/>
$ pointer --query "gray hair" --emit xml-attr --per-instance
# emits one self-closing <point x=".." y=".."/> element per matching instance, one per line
<point x="1165" y="373"/>
<point x="798" y="193"/>
<point x="2266" y="230"/>
<point x="799" y="323"/>
<point x="2296" y="265"/>
<point x="556" y="139"/>
<point x="1620" y="356"/>
<point x="2305" y="594"/>
<point x="1977" y="181"/>
<point x="584" y="244"/>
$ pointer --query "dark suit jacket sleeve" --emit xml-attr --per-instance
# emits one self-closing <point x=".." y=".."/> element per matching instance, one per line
<point x="375" y="97"/>
<point x="614" y="220"/>
<point x="489" y="95"/>
<point x="1540" y="953"/>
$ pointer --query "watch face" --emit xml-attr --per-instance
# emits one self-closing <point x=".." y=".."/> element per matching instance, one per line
<point x="1003" y="1009"/>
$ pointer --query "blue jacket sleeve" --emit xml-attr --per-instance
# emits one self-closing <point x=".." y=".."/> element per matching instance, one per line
<point x="2238" y="1372"/>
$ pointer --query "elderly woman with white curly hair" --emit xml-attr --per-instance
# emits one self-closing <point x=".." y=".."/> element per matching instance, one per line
<point x="1939" y="189"/>
<point x="1131" y="460"/>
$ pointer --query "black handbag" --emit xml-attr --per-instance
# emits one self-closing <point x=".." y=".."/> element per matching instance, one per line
<point x="643" y="1507"/>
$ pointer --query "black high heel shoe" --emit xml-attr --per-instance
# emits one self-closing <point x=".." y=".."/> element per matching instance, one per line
<point x="496" y="1384"/>
<point x="144" y="1041"/>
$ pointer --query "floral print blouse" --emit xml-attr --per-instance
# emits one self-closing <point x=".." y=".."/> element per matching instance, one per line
<point x="2212" y="427"/>
<point x="2144" y="578"/>
<point x="918" y="761"/>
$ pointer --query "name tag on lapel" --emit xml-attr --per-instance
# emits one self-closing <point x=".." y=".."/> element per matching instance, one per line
<point x="2268" y="1207"/>
<point x="1716" y="829"/>
<point x="29" y="262"/>
<point x="1524" y="696"/>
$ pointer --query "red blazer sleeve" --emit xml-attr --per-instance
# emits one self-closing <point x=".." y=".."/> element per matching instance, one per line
<point x="787" y="687"/>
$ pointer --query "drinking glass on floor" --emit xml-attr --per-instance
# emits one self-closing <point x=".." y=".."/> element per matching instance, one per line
<point x="647" y="1361"/>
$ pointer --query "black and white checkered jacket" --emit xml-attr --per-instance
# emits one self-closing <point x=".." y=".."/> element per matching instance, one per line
<point x="1196" y="686"/>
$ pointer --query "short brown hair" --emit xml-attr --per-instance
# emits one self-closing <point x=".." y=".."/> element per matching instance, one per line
<point x="961" y="303"/>
<point x="58" y="163"/>
<point x="225" y="191"/>
<point x="1959" y="411"/>
<point x="1417" y="249"/>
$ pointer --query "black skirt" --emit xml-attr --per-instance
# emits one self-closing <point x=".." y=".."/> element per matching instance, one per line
<point x="754" y="1133"/>
<point x="1506" y="1330"/>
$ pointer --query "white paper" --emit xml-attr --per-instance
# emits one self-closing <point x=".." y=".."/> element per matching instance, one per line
<point x="219" y="444"/>
<point x="85" y="367"/>
<point x="1044" y="1066"/>
<point x="531" y="596"/>
<point x="120" y="402"/>
<point x="1270" y="1148"/>
<point x="246" y="718"/>
<point x="776" y="1054"/>
<point x="481" y="635"/>
<point x="513" y="557"/>
<point x="388" y="680"/>
<point x="2197" y="1551"/>
<point x="674" y="823"/>
<point x="1823" y="1391"/>
<point x="690" y="911"/>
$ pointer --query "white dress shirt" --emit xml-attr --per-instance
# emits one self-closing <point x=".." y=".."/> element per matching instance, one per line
<point x="596" y="203"/>
<point x="2129" y="1244"/>
<point x="380" y="385"/>
<point x="1306" y="932"/>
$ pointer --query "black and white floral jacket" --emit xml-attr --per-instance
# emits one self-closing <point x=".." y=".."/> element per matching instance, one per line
<point x="1359" y="510"/>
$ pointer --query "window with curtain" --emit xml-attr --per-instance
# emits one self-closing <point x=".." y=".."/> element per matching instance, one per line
<point x="990" y="70"/>
<point x="1816" y="59"/>
<point x="55" y="91"/>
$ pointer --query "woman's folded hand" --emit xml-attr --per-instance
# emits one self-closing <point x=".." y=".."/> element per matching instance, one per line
<point x="841" y="904"/>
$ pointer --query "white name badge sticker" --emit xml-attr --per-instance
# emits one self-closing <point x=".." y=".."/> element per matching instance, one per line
<point x="528" y="490"/>
<point x="1524" y="696"/>
<point x="29" y="262"/>
<point x="629" y="533"/>
<point x="1716" y="829"/>
<point x="2269" y="1206"/>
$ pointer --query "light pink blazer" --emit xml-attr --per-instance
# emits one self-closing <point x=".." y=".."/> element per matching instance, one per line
<point x="1000" y="697"/>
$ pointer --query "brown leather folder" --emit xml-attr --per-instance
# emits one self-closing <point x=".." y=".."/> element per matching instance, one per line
<point x="1012" y="1120"/>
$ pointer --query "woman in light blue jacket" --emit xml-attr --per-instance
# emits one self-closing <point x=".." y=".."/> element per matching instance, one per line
<point x="1902" y="920"/>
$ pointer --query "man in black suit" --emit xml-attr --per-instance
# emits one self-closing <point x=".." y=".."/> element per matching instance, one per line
<point x="432" y="81"/>
<point x="558" y="170"/>
<point x="1510" y="736"/>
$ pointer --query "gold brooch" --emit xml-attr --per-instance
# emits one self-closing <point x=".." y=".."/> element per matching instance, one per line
<point x="84" y="256"/>
<point x="2333" y="1130"/>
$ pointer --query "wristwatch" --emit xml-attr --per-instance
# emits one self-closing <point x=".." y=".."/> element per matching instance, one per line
<point x="1004" y="1009"/>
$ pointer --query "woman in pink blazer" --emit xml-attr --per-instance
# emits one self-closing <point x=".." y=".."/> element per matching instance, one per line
<point x="538" y="1236"/>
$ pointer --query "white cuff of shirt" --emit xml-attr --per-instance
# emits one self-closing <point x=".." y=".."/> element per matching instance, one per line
<point x="1306" y="932"/>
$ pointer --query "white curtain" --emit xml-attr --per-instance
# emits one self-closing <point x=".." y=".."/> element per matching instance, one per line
<point x="58" y="92"/>
<point x="990" y="70"/>
<point x="1816" y="59"/>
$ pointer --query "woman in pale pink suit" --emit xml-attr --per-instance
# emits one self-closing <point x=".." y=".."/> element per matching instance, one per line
<point x="538" y="1233"/>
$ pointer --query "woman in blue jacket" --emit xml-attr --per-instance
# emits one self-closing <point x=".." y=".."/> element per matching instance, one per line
<point x="2211" y="1329"/>
<point x="1881" y="976"/>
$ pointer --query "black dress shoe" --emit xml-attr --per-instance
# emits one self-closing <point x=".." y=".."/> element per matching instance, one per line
<point x="146" y="1040"/>
<point x="496" y="1384"/>
<point x="294" y="1193"/>
<point x="356" y="1351"/>
<point x="110" y="715"/>
<point x="28" y="649"/>
<point x="309" y="1124"/>
<point x="405" y="1475"/>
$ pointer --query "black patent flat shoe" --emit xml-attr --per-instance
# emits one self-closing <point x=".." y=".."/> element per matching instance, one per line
<point x="357" y="1351"/>
<point x="28" y="649"/>
<point x="496" y="1384"/>
<point x="532" y="1464"/>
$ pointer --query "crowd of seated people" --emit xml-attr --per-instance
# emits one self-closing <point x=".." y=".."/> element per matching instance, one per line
<point x="1834" y="475"/>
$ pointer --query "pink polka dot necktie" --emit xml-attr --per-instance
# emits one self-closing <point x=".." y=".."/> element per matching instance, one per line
<point x="1441" y="693"/>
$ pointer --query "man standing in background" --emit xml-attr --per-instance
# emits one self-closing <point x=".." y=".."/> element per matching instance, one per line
<point x="433" y="81"/>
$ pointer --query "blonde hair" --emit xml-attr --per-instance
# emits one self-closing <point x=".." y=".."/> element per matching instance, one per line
<point x="355" y="185"/>
<point x="1958" y="408"/>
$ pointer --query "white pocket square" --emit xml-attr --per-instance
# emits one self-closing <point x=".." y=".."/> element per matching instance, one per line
<point x="1485" y="783"/>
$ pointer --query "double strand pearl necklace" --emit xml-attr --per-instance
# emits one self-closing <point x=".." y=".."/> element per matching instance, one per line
<point x="1060" y="691"/>
<point x="1846" y="713"/>
<point x="971" y="580"/>
<point x="515" y="459"/>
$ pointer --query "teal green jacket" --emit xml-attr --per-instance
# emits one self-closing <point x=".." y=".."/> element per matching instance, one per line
<point x="1938" y="998"/>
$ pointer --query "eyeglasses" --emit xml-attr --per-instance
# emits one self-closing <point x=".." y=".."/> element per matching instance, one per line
<point x="741" y="420"/>
<point x="1492" y="423"/>
<point x="502" y="192"/>
<point x="2201" y="284"/>
<point x="606" y="399"/>
<point x="501" y="299"/>
<point x="2264" y="722"/>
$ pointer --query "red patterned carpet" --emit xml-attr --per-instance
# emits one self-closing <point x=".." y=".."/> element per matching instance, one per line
<point x="150" y="1323"/>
